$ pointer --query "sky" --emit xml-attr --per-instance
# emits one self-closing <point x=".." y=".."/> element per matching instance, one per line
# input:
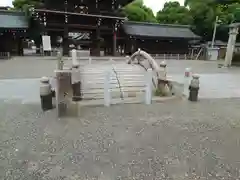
<point x="156" y="5"/>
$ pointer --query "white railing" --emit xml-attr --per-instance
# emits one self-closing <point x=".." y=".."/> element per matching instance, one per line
<point x="172" y="56"/>
<point x="84" y="53"/>
<point x="92" y="60"/>
<point x="4" y="55"/>
<point x="146" y="87"/>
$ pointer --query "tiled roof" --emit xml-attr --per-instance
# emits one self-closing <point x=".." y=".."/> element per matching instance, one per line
<point x="155" y="30"/>
<point x="124" y="2"/>
<point x="13" y="20"/>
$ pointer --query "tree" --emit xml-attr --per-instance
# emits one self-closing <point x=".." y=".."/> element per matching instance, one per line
<point x="204" y="16"/>
<point x="137" y="11"/>
<point x="173" y="13"/>
<point x="25" y="4"/>
<point x="35" y="29"/>
<point x="192" y="2"/>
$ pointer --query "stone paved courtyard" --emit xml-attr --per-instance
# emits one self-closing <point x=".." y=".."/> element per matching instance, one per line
<point x="171" y="140"/>
<point x="35" y="67"/>
<point x="20" y="77"/>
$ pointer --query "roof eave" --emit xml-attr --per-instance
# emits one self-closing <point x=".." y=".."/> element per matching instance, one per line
<point x="18" y="28"/>
<point x="164" y="37"/>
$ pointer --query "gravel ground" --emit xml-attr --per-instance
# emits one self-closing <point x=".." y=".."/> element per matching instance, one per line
<point x="173" y="140"/>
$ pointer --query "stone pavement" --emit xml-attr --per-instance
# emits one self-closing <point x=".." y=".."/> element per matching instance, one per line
<point x="172" y="140"/>
<point x="211" y="86"/>
<point x="20" y="77"/>
<point x="215" y="85"/>
<point x="36" y="67"/>
<point x="24" y="90"/>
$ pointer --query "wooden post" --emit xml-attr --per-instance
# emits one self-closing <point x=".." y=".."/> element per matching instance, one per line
<point x="194" y="88"/>
<point x="60" y="61"/>
<point x="63" y="92"/>
<point x="76" y="83"/>
<point x="187" y="76"/>
<point x="90" y="60"/>
<point x="148" y="91"/>
<point x="107" y="95"/>
<point x="45" y="94"/>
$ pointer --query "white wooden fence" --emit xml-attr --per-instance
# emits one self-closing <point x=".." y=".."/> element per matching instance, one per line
<point x="144" y="87"/>
<point x="4" y="55"/>
<point x="171" y="56"/>
<point x="120" y="81"/>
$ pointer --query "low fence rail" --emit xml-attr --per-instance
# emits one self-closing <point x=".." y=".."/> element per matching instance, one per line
<point x="85" y="55"/>
<point x="172" y="56"/>
<point x="4" y="55"/>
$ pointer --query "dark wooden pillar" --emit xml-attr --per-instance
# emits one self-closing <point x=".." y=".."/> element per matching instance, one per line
<point x="128" y="46"/>
<point x="134" y="45"/>
<point x="114" y="43"/>
<point x="20" y="46"/>
<point x="38" y="42"/>
<point x="108" y="42"/>
<point x="65" y="42"/>
<point x="53" y="36"/>
<point x="66" y="30"/>
<point x="96" y="40"/>
<point x="95" y="45"/>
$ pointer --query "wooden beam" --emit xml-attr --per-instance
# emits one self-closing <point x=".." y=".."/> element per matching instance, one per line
<point x="53" y="26"/>
<point x="79" y="14"/>
<point x="54" y="29"/>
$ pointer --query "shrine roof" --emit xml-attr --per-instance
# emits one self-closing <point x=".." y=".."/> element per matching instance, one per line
<point x="13" y="20"/>
<point x="155" y="30"/>
<point x="124" y="2"/>
<point x="55" y="3"/>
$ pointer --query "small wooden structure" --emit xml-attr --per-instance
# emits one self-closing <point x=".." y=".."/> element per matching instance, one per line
<point x="156" y="38"/>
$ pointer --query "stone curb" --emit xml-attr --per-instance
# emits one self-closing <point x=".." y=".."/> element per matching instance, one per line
<point x="94" y="103"/>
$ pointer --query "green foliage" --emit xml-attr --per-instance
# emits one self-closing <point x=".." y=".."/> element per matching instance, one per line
<point x="160" y="93"/>
<point x="25" y="4"/>
<point x="204" y="16"/>
<point x="173" y="13"/>
<point x="136" y="11"/>
<point x="35" y="29"/>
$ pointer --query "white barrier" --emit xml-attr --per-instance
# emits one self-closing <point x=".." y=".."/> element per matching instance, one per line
<point x="187" y="79"/>
<point x="74" y="57"/>
<point x="107" y="94"/>
<point x="148" y="91"/>
<point x="4" y="55"/>
<point x="172" y="56"/>
<point x="90" y="60"/>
